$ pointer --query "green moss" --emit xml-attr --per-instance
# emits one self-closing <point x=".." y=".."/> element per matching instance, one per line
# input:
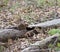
<point x="58" y="45"/>
<point x="5" y="1"/>
<point x="54" y="31"/>
<point x="1" y="48"/>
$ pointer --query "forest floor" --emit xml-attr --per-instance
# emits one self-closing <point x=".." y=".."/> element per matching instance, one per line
<point x="26" y="10"/>
<point x="29" y="12"/>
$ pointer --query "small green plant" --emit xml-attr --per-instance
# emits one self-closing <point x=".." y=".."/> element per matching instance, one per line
<point x="1" y="48"/>
<point x="29" y="19"/>
<point x="14" y="7"/>
<point x="57" y="49"/>
<point x="58" y="44"/>
<point x="40" y="2"/>
<point x="44" y="3"/>
<point x="54" y="31"/>
<point x="5" y="2"/>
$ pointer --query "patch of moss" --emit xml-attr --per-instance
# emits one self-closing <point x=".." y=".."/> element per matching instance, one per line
<point x="54" y="31"/>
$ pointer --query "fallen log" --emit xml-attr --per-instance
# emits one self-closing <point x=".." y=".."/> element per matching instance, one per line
<point x="36" y="46"/>
<point x="11" y="33"/>
<point x="54" y="22"/>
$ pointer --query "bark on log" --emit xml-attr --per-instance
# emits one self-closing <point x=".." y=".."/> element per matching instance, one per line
<point x="54" y="22"/>
<point x="36" y="46"/>
<point x="11" y="33"/>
